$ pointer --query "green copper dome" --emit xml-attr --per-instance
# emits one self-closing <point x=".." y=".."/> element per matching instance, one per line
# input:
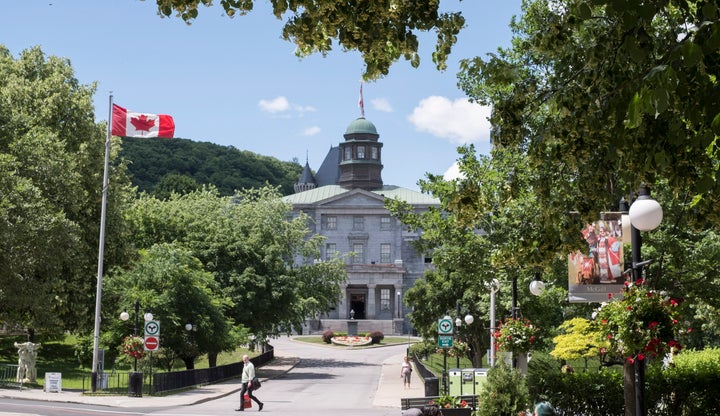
<point x="361" y="125"/>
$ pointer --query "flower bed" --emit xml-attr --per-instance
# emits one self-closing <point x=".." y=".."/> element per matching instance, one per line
<point x="351" y="341"/>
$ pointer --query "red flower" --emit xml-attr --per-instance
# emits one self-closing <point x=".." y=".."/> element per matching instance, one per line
<point x="653" y="324"/>
<point x="641" y="356"/>
<point x="630" y="360"/>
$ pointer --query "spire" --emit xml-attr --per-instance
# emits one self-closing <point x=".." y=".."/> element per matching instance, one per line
<point x="361" y="104"/>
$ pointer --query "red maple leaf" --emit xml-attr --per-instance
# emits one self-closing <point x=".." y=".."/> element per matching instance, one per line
<point x="142" y="123"/>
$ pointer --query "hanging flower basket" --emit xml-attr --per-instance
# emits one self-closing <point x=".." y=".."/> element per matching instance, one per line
<point x="516" y="335"/>
<point x="133" y="346"/>
<point x="645" y="322"/>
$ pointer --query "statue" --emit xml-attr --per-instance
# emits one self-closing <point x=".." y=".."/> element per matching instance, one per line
<point x="27" y="352"/>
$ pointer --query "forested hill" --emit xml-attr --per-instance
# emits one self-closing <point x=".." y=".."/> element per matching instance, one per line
<point x="153" y="161"/>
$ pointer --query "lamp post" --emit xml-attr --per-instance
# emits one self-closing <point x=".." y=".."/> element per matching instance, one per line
<point x="645" y="215"/>
<point x="494" y="287"/>
<point x="469" y="319"/>
<point x="135" y="384"/>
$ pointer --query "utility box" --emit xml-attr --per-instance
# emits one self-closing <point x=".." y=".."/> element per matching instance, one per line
<point x="467" y="381"/>
<point x="455" y="381"/>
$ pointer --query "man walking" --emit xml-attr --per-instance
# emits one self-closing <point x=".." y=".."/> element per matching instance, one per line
<point x="248" y="374"/>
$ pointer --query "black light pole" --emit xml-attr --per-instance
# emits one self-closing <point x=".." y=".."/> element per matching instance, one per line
<point x="645" y="215"/>
<point x="135" y="380"/>
<point x="124" y="316"/>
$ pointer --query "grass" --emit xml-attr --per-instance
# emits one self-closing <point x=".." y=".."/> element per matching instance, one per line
<point x="58" y="356"/>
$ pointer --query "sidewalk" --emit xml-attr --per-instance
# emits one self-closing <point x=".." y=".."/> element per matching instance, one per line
<point x="390" y="389"/>
<point x="280" y="365"/>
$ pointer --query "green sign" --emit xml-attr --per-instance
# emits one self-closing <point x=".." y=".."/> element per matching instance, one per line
<point x="445" y="341"/>
<point x="445" y="326"/>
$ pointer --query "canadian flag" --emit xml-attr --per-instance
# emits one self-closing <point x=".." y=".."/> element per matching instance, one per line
<point x="128" y="124"/>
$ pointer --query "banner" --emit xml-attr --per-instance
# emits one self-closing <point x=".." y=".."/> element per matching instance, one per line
<point x="599" y="270"/>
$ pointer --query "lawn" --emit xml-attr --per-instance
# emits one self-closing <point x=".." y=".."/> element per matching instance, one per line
<point x="59" y="357"/>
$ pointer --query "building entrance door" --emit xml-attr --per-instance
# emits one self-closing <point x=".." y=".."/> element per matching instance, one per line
<point x="357" y="304"/>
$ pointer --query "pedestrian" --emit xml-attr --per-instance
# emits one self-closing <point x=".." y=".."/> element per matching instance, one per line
<point x="405" y="372"/>
<point x="544" y="409"/>
<point x="248" y="374"/>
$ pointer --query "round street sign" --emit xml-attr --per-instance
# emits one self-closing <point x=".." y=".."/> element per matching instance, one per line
<point x="445" y="326"/>
<point x="152" y="343"/>
<point x="152" y="328"/>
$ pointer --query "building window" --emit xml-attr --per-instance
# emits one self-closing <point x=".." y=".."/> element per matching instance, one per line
<point x="385" y="223"/>
<point x="330" y="222"/>
<point x="330" y="251"/>
<point x="374" y="152"/>
<point x="385" y="299"/>
<point x="358" y="223"/>
<point x="348" y="153"/>
<point x="361" y="152"/>
<point x="385" y="253"/>
<point x="358" y="253"/>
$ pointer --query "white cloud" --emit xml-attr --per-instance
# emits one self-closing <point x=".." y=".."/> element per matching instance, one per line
<point x="459" y="121"/>
<point x="311" y="131"/>
<point x="281" y="104"/>
<point x="381" y="104"/>
<point x="275" y="105"/>
<point x="453" y="172"/>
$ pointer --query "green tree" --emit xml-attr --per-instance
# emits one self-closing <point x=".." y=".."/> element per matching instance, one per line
<point x="249" y="243"/>
<point x="382" y="32"/>
<point x="51" y="168"/>
<point x="603" y="95"/>
<point x="488" y="226"/>
<point x="172" y="283"/>
<point x="578" y="340"/>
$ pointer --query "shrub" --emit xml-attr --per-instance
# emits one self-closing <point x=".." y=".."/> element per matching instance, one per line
<point x="327" y="336"/>
<point x="377" y="337"/>
<point x="504" y="393"/>
<point x="602" y="391"/>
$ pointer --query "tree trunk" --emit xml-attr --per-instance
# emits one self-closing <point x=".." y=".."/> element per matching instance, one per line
<point x="629" y="388"/>
<point x="189" y="363"/>
<point x="212" y="359"/>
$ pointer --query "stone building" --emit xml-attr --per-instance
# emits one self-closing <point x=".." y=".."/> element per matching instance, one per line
<point x="346" y="200"/>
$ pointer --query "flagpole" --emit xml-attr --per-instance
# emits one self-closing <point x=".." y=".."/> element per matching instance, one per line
<point x="101" y="252"/>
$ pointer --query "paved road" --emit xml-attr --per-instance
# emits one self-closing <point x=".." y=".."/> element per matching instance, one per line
<point x="319" y="381"/>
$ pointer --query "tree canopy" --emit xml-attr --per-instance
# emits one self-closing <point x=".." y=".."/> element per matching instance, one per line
<point x="51" y="167"/>
<point x="382" y="31"/>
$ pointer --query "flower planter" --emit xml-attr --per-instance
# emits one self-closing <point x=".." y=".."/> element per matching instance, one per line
<point x="459" y="411"/>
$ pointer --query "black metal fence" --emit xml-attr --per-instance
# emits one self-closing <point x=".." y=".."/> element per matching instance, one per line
<point x="8" y="375"/>
<point x="154" y="383"/>
<point x="432" y="384"/>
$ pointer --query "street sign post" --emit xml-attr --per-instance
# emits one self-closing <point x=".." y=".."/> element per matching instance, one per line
<point x="445" y="341"/>
<point x="152" y="328"/>
<point x="152" y="343"/>
<point x="445" y="326"/>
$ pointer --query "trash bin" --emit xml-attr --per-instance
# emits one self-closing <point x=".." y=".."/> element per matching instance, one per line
<point x="135" y="382"/>
<point x="455" y="380"/>
<point x="480" y="378"/>
<point x="432" y="387"/>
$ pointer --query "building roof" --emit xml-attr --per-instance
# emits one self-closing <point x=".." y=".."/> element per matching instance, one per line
<point x="361" y="125"/>
<point x="322" y="193"/>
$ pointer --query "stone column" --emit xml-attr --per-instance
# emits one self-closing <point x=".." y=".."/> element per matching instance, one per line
<point x="342" y="308"/>
<point x="370" y="308"/>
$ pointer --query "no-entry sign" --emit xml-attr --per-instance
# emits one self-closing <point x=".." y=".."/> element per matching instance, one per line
<point x="152" y="343"/>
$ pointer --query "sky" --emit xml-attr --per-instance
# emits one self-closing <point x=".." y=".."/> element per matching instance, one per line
<point x="235" y="82"/>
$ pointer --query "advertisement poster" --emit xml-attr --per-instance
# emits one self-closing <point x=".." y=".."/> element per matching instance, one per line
<point x="599" y="270"/>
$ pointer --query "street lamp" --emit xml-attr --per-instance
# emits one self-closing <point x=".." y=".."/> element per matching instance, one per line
<point x="494" y="287"/>
<point x="135" y="379"/>
<point x="537" y="286"/>
<point x="469" y="319"/>
<point x="645" y="215"/>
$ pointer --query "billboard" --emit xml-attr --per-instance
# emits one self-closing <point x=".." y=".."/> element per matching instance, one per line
<point x="598" y="270"/>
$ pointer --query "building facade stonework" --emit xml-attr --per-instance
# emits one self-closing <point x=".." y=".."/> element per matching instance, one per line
<point x="345" y="201"/>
